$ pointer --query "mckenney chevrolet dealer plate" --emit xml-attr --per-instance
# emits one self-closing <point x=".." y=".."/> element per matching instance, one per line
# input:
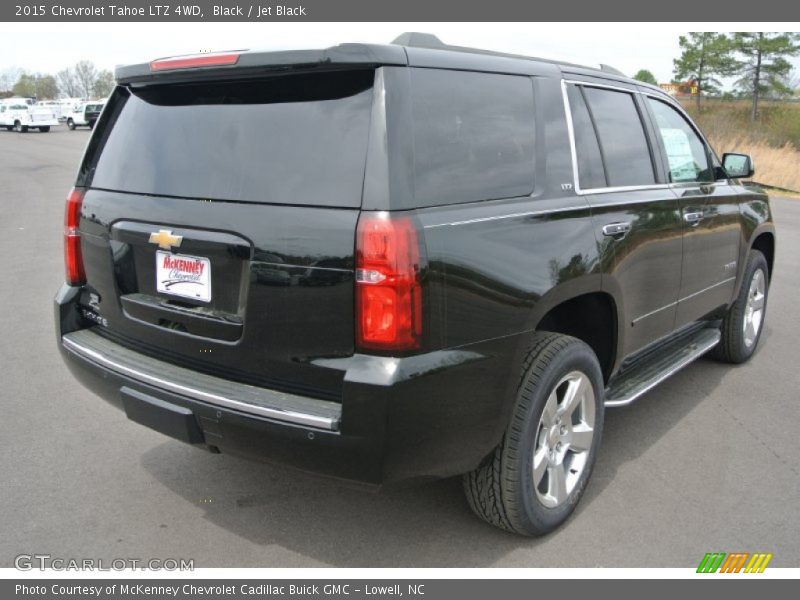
<point x="182" y="275"/>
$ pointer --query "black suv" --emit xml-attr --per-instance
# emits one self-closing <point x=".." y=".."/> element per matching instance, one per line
<point x="407" y="261"/>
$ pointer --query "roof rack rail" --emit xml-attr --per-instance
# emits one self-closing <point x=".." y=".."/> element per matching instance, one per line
<point x="415" y="39"/>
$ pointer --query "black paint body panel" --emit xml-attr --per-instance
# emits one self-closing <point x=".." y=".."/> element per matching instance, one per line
<point x="282" y="316"/>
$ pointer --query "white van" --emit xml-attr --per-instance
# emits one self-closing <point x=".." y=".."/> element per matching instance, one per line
<point x="20" y="115"/>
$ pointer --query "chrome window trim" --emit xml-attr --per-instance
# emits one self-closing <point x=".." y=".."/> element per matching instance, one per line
<point x="573" y="148"/>
<point x="531" y="213"/>
<point x="630" y="188"/>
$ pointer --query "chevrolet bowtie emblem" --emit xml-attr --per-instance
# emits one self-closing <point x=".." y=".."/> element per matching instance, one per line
<point x="165" y="239"/>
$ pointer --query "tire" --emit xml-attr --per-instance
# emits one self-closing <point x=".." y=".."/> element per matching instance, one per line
<point x="19" y="127"/>
<point x="71" y="124"/>
<point x="44" y="129"/>
<point x="504" y="491"/>
<point x="91" y="124"/>
<point x="744" y="321"/>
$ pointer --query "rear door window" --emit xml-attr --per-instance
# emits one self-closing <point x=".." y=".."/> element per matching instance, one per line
<point x="621" y="135"/>
<point x="473" y="136"/>
<point x="591" y="173"/>
<point x="289" y="139"/>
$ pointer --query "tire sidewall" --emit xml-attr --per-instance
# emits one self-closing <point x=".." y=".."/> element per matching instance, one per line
<point x="741" y="351"/>
<point x="577" y="356"/>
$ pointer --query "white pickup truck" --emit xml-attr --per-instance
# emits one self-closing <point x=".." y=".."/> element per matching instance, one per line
<point x="84" y="114"/>
<point x="20" y="115"/>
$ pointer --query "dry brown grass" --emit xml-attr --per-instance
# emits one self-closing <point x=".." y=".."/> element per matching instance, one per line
<point x="777" y="167"/>
<point x="773" y="141"/>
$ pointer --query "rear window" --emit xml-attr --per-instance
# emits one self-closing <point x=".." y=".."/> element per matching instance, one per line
<point x="473" y="136"/>
<point x="291" y="139"/>
<point x="620" y="132"/>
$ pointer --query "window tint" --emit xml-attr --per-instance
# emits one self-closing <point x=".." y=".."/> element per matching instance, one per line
<point x="622" y="139"/>
<point x="473" y="136"/>
<point x="290" y="139"/>
<point x="685" y="151"/>
<point x="590" y="161"/>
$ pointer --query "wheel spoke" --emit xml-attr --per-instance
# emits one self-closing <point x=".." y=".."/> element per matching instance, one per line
<point x="557" y="483"/>
<point x="758" y="302"/>
<point x="539" y="465"/>
<point x="573" y="397"/>
<point x="581" y="439"/>
<point x="750" y="331"/>
<point x="550" y="410"/>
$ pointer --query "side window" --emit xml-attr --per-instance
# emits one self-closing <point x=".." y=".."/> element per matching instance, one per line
<point x="621" y="135"/>
<point x="590" y="162"/>
<point x="685" y="151"/>
<point x="473" y="136"/>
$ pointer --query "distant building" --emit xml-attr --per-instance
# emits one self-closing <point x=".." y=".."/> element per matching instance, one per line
<point x="681" y="89"/>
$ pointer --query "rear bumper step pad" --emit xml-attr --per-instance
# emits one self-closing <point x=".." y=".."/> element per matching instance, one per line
<point x="270" y="404"/>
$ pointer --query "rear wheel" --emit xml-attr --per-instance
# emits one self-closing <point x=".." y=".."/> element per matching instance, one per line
<point x="537" y="474"/>
<point x="744" y="321"/>
<point x="19" y="127"/>
<point x="44" y="129"/>
<point x="71" y="124"/>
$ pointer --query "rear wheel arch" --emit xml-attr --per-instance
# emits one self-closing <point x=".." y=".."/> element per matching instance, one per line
<point x="591" y="318"/>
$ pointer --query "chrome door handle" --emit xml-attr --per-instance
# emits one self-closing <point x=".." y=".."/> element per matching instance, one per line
<point x="616" y="229"/>
<point x="693" y="217"/>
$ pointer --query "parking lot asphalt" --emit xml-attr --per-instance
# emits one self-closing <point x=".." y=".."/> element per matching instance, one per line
<point x="708" y="461"/>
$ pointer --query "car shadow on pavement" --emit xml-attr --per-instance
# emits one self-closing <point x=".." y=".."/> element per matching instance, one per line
<point x="428" y="525"/>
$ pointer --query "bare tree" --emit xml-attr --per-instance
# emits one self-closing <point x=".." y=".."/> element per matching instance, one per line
<point x="67" y="83"/>
<point x="104" y="84"/>
<point x="9" y="77"/>
<point x="85" y="76"/>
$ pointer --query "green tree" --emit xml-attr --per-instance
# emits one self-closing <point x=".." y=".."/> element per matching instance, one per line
<point x="103" y="84"/>
<point x="645" y="76"/>
<point x="36" y="86"/>
<point x="25" y="86"/>
<point x="704" y="57"/>
<point x="46" y="87"/>
<point x="764" y="68"/>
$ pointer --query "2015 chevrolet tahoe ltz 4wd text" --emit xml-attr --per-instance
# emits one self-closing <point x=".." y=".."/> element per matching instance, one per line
<point x="403" y="262"/>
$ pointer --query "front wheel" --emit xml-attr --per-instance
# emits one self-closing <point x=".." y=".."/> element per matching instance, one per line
<point x="744" y="321"/>
<point x="19" y="127"/>
<point x="538" y="473"/>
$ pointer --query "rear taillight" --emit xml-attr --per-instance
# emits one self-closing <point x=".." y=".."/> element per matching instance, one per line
<point x="73" y="258"/>
<point x="388" y="292"/>
<point x="195" y="61"/>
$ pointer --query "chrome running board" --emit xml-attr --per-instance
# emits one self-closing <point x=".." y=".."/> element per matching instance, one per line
<point x="629" y="386"/>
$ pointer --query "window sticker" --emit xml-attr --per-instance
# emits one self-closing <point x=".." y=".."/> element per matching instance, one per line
<point x="679" y="154"/>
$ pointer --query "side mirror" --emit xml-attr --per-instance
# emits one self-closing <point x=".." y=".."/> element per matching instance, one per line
<point x="738" y="166"/>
